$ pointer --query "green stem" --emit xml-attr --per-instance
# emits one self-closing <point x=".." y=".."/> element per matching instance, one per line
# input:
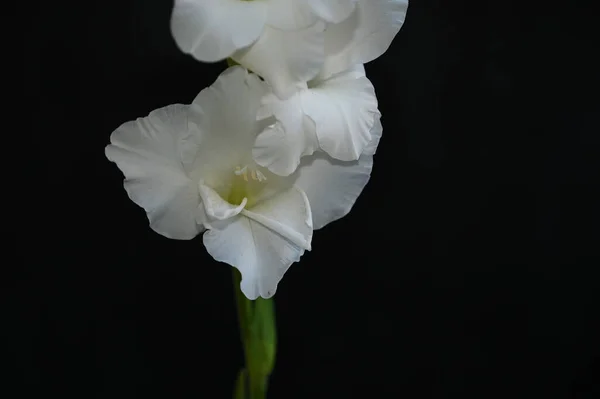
<point x="259" y="338"/>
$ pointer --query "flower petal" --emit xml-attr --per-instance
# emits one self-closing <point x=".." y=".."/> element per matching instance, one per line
<point x="280" y="146"/>
<point x="376" y="133"/>
<point x="215" y="207"/>
<point x="212" y="30"/>
<point x="344" y="109"/>
<point x="263" y="242"/>
<point x="286" y="59"/>
<point x="290" y="14"/>
<point x="226" y="114"/>
<point x="364" y="36"/>
<point x="332" y="186"/>
<point x="149" y="153"/>
<point x="333" y="11"/>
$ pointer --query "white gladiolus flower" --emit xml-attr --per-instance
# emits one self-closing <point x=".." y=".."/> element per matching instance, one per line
<point x="335" y="115"/>
<point x="191" y="168"/>
<point x="281" y="40"/>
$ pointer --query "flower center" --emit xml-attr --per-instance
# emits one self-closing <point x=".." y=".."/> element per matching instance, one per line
<point x="247" y="182"/>
<point x="254" y="173"/>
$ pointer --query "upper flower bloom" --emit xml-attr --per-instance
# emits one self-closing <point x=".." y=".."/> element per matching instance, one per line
<point x="281" y="40"/>
<point x="336" y="111"/>
<point x="191" y="168"/>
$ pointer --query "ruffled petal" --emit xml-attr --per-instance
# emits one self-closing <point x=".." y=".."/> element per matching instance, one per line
<point x="149" y="153"/>
<point x="263" y="242"/>
<point x="286" y="59"/>
<point x="215" y="207"/>
<point x="212" y="30"/>
<point x="333" y="186"/>
<point x="376" y="133"/>
<point x="344" y="109"/>
<point x="364" y="36"/>
<point x="280" y="146"/>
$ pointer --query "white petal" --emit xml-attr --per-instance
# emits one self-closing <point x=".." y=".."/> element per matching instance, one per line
<point x="334" y="11"/>
<point x="332" y="186"/>
<point x="286" y="59"/>
<point x="344" y="109"/>
<point x="364" y="36"/>
<point x="262" y="243"/>
<point x="376" y="133"/>
<point x="290" y="14"/>
<point x="149" y="153"/>
<point x="215" y="207"/>
<point x="280" y="146"/>
<point x="226" y="114"/>
<point x="212" y="30"/>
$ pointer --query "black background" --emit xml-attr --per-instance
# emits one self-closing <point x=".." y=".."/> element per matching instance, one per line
<point x="468" y="267"/>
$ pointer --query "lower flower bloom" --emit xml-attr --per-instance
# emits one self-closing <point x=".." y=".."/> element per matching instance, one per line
<point x="191" y="168"/>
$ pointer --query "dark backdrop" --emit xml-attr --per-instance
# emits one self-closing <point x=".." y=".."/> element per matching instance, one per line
<point x="468" y="267"/>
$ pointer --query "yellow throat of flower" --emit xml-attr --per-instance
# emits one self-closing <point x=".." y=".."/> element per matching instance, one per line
<point x="246" y="183"/>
